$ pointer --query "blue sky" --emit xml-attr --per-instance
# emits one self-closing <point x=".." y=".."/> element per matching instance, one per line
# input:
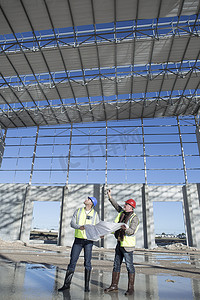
<point x="168" y="217"/>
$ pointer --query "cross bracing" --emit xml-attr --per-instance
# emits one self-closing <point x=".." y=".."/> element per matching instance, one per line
<point x="75" y="61"/>
<point x="13" y="43"/>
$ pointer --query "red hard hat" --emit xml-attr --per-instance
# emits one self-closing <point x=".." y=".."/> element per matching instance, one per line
<point x="131" y="202"/>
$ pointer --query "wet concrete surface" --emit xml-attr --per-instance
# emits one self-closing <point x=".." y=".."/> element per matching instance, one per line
<point x="157" y="277"/>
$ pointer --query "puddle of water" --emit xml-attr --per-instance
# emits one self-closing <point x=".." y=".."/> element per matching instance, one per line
<point x="175" y="259"/>
<point x="174" y="287"/>
<point x="22" y="281"/>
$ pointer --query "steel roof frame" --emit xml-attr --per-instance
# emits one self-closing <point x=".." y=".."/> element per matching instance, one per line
<point x="94" y="82"/>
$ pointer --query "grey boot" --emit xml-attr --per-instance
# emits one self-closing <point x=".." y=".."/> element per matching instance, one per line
<point x="87" y="280"/>
<point x="67" y="282"/>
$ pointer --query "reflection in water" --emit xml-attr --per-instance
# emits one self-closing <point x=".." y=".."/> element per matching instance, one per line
<point x="66" y="295"/>
<point x="41" y="281"/>
<point x="172" y="287"/>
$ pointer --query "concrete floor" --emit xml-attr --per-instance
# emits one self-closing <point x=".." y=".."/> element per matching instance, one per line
<point x="30" y="272"/>
<point x="31" y="281"/>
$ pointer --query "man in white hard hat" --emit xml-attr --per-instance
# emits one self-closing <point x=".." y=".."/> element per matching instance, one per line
<point x="82" y="216"/>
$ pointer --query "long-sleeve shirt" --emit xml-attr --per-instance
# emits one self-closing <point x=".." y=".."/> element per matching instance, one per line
<point x="74" y="224"/>
<point x="133" y="223"/>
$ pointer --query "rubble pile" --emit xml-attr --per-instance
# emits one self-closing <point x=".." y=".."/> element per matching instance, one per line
<point x="179" y="246"/>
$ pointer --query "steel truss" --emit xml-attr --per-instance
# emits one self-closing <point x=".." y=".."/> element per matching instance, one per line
<point x="154" y="30"/>
<point x="124" y="77"/>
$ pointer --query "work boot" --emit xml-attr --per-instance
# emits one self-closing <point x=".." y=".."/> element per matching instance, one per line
<point x="87" y="279"/>
<point x="131" y="280"/>
<point x="67" y="282"/>
<point x="114" y="284"/>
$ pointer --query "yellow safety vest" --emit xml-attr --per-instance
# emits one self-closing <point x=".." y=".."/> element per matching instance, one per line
<point x="129" y="240"/>
<point x="82" y="219"/>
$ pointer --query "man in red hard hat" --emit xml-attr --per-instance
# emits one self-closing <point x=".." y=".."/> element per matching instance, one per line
<point x="125" y="243"/>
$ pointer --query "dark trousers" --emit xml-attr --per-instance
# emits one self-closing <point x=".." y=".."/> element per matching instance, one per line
<point x="121" y="253"/>
<point x="78" y="245"/>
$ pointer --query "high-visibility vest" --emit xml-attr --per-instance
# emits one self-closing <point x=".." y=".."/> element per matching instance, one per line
<point x="129" y="240"/>
<point x="82" y="219"/>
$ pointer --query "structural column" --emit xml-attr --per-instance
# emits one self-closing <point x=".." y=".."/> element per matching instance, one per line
<point x="64" y="218"/>
<point x="64" y="221"/>
<point x="192" y="215"/>
<point x="148" y="219"/>
<point x="26" y="220"/>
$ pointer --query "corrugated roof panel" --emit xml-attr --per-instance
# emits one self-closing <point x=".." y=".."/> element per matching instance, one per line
<point x="59" y="12"/>
<point x="103" y="11"/>
<point x="4" y="27"/>
<point x="94" y="87"/>
<point x="78" y="88"/>
<point x="74" y="114"/>
<point x="40" y="94"/>
<point x="170" y="8"/>
<point x="123" y="111"/>
<point x="37" y="14"/>
<point x="161" y="49"/>
<point x="71" y="58"/>
<point x="106" y="54"/>
<point x="98" y="111"/>
<point x="51" y="93"/>
<point x="135" y="109"/>
<point x="12" y="12"/>
<point x="6" y="68"/>
<point x="190" y="7"/>
<point x="53" y="59"/>
<point x="109" y="87"/>
<point x="65" y="91"/>
<point x="19" y="62"/>
<point x="155" y="84"/>
<point x="192" y="51"/>
<point x="138" y="110"/>
<point x="169" y="82"/>
<point x="177" y="49"/>
<point x="124" y="53"/>
<point x="82" y="12"/>
<point x="149" y="109"/>
<point x="189" y="82"/>
<point x="126" y="10"/>
<point x="110" y="109"/>
<point x="139" y="84"/>
<point x="89" y="57"/>
<point x="124" y="86"/>
<point x="21" y="93"/>
<point x="142" y="51"/>
<point x="37" y="62"/>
